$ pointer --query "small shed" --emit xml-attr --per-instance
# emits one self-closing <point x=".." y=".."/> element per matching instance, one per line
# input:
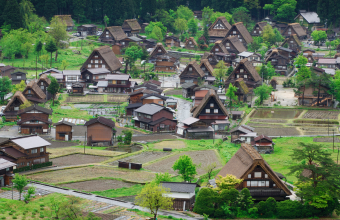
<point x="63" y="131"/>
<point x="171" y="103"/>
<point x="274" y="83"/>
<point x="182" y="193"/>
<point x="77" y="88"/>
<point x="263" y="144"/>
<point x="220" y="125"/>
<point x="188" y="89"/>
<point x="237" y="114"/>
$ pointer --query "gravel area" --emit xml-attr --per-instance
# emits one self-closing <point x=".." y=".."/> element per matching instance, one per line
<point x="199" y="157"/>
<point x="98" y="185"/>
<point x="77" y="159"/>
<point x="144" y="157"/>
<point x="153" y="137"/>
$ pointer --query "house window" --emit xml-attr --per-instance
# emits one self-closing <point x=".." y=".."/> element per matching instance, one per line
<point x="88" y="65"/>
<point x="28" y="163"/>
<point x="96" y="66"/>
<point x="240" y="40"/>
<point x="210" y="59"/>
<point x="262" y="183"/>
<point x="245" y="76"/>
<point x="41" y="149"/>
<point x="207" y="111"/>
<point x="29" y="91"/>
<point x="16" y="108"/>
<point x="103" y="66"/>
<point x="257" y="174"/>
<point x="62" y="135"/>
<point x="249" y="175"/>
<point x="254" y="32"/>
<point x="203" y="68"/>
<point x="274" y="184"/>
<point x="241" y="70"/>
<point x="216" y="49"/>
<point x="7" y="169"/>
<point x="228" y="44"/>
<point x="42" y="87"/>
<point x="254" y="183"/>
<point x="190" y="68"/>
<point x="265" y="175"/>
<point x="238" y="76"/>
<point x="211" y="105"/>
<point x="107" y="32"/>
<point x="18" y="77"/>
<point x="123" y="43"/>
<point x="34" y="151"/>
<point x="248" y="183"/>
<point x="260" y="32"/>
<point x="234" y="32"/>
<point x="123" y="82"/>
<point x="291" y="41"/>
<point x="96" y="56"/>
<point x="107" y="36"/>
<point x="215" y="111"/>
<point x="159" y="50"/>
<point x="160" y="102"/>
<point x="96" y="61"/>
<point x="190" y="42"/>
<point x="257" y="28"/>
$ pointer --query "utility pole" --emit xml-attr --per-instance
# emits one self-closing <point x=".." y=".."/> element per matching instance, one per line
<point x="333" y="141"/>
<point x="85" y="142"/>
<point x="337" y="158"/>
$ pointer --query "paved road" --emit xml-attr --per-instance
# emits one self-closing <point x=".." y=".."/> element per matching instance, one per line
<point x="104" y="200"/>
<point x="183" y="109"/>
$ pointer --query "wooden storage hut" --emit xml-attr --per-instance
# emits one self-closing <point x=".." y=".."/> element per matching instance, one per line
<point x="63" y="131"/>
<point x="100" y="131"/>
<point x="34" y="120"/>
<point x="77" y="88"/>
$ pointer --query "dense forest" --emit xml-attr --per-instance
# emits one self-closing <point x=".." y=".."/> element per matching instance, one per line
<point x="93" y="11"/>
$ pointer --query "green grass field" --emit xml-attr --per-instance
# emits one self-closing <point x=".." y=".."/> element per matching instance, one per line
<point x="112" y="193"/>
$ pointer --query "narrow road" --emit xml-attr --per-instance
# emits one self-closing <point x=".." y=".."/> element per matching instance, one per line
<point x="106" y="200"/>
<point x="183" y="109"/>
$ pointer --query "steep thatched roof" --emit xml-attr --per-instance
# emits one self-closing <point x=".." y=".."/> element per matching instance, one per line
<point x="293" y="37"/>
<point x="133" y="24"/>
<point x="210" y="95"/>
<point x="300" y="32"/>
<point x="242" y="85"/>
<point x="249" y="67"/>
<point x="205" y="62"/>
<point x="235" y="42"/>
<point x="155" y="49"/>
<point x="219" y="32"/>
<point x="195" y="66"/>
<point x="37" y="90"/>
<point x="192" y="39"/>
<point x="44" y="78"/>
<point x="116" y="31"/>
<point x="243" y="31"/>
<point x="67" y="19"/>
<point x="18" y="95"/>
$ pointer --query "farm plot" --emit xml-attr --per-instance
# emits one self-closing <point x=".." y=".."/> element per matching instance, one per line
<point x="170" y="144"/>
<point x="87" y="173"/>
<point x="77" y="159"/>
<point x="59" y="152"/>
<point x="85" y="99"/>
<point x="115" y="98"/>
<point x="142" y="158"/>
<point x="199" y="157"/>
<point x="98" y="185"/>
<point x="314" y="114"/>
<point x="276" y="113"/>
<point x="278" y="131"/>
<point x="268" y="120"/>
<point x="265" y="125"/>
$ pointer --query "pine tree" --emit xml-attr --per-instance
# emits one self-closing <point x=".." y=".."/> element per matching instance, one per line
<point x="50" y="8"/>
<point x="78" y="9"/>
<point x="11" y="14"/>
<point x="53" y="88"/>
<point x="51" y="47"/>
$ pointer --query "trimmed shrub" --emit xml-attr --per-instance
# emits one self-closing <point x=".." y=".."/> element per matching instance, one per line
<point x="205" y="202"/>
<point x="289" y="209"/>
<point x="229" y="196"/>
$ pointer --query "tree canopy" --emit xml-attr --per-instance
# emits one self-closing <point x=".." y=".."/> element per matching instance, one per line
<point x="185" y="168"/>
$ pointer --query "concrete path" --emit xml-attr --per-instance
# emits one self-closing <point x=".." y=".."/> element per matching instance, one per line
<point x="183" y="109"/>
<point x="109" y="201"/>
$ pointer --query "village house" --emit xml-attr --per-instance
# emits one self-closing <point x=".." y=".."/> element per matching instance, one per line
<point x="331" y="63"/>
<point x="119" y="83"/>
<point x="292" y="42"/>
<point x="198" y="97"/>
<point x="87" y="29"/>
<point x="248" y="138"/>
<point x="242" y="90"/>
<point x="143" y="26"/>
<point x="13" y="106"/>
<point x="162" y="60"/>
<point x="131" y="27"/>
<point x="77" y="89"/>
<point x="6" y="71"/>
<point x="235" y="115"/>
<point x="220" y="52"/>
<point x="191" y="44"/>
<point x="258" y="29"/>
<point x="255" y="58"/>
<point x="310" y="20"/>
<point x="63" y="130"/>
<point x="198" y="14"/>
<point x="51" y="71"/>
<point x="34" y="120"/>
<point x="247" y="164"/>
<point x="150" y="87"/>
<point x="154" y="118"/>
<point x="211" y="58"/>
<point x="194" y="128"/>
<point x="154" y="98"/>
<point x="172" y="41"/>
<point x="135" y="98"/>
<point x="183" y="194"/>
<point x="279" y="62"/>
<point x="247" y="71"/>
<point x="18" y="75"/>
<point x="291" y="54"/>
<point x="220" y="125"/>
<point x="70" y="77"/>
<point x="188" y="89"/>
<point x="102" y="57"/>
<point x="148" y="43"/>
<point x="34" y="93"/>
<point x="208" y="71"/>
<point x="295" y="28"/>
<point x="43" y="83"/>
<point x="112" y="35"/>
<point x="219" y="29"/>
<point x="192" y="73"/>
<point x="280" y="27"/>
<point x="210" y="109"/>
<point x="154" y="83"/>
<point x="241" y="32"/>
<point x="93" y="76"/>
<point x="132" y="39"/>
<point x="263" y="144"/>
<point x="66" y="19"/>
<point x="100" y="131"/>
<point x="25" y="151"/>
<point x="6" y="172"/>
<point x="171" y="103"/>
<point x="234" y="46"/>
<point x="240" y="130"/>
<point x="311" y="96"/>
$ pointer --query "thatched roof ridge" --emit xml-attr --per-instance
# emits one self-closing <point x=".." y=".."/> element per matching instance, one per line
<point x="205" y="62"/>
<point x="133" y="24"/>
<point x="67" y="19"/>
<point x="193" y="41"/>
<point x="17" y="95"/>
<point x="37" y="90"/>
<point x="117" y="32"/>
<point x="235" y="42"/>
<point x="219" y="32"/>
<point x="195" y="66"/>
<point x="158" y="46"/>
<point x="210" y="95"/>
<point x="243" y="31"/>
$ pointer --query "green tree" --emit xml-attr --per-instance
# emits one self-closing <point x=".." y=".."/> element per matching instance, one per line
<point x="205" y="201"/>
<point x="156" y="34"/>
<point x="19" y="87"/>
<point x="51" y="47"/>
<point x="58" y="30"/>
<point x="231" y="94"/>
<point x="11" y="14"/>
<point x="303" y="74"/>
<point x="278" y="36"/>
<point x="50" y="9"/>
<point x="321" y="185"/>
<point x="53" y="88"/>
<point x="209" y="169"/>
<point x="220" y="14"/>
<point x="5" y="87"/>
<point x="71" y="208"/>
<point x="227" y="182"/>
<point x="220" y="70"/>
<point x="263" y="92"/>
<point x="106" y="20"/>
<point x="230" y="70"/>
<point x="185" y="167"/>
<point x="245" y="201"/>
<point x="162" y="177"/>
<point x="319" y="36"/>
<point x="28" y="195"/>
<point x="26" y="11"/>
<point x="193" y="26"/>
<point x="64" y="64"/>
<point x="268" y="35"/>
<point x="20" y="182"/>
<point x="319" y="80"/>
<point x="270" y="71"/>
<point x="184" y="13"/>
<point x="256" y="44"/>
<point x="38" y="47"/>
<point x="206" y="34"/>
<point x="152" y="25"/>
<point x="127" y="136"/>
<point x="206" y="15"/>
<point x="264" y="73"/>
<point x="284" y="10"/>
<point x="241" y="16"/>
<point x="133" y="53"/>
<point x="152" y="197"/>
<point x="12" y="43"/>
<point x="254" y="4"/>
<point x="180" y="25"/>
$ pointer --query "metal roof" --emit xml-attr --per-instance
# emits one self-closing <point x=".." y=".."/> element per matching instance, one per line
<point x="190" y="120"/>
<point x="327" y="61"/>
<point x="311" y="17"/>
<point x="30" y="142"/>
<point x="207" y="129"/>
<point x="71" y="72"/>
<point x="180" y="187"/>
<point x="98" y="71"/>
<point x="6" y="164"/>
<point x="329" y="71"/>
<point x="117" y="77"/>
<point x="149" y="109"/>
<point x="252" y="134"/>
<point x="102" y="84"/>
<point x="135" y="38"/>
<point x="245" y="54"/>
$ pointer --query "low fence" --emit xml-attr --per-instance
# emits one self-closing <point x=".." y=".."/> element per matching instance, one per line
<point x="33" y="167"/>
<point x="131" y="166"/>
